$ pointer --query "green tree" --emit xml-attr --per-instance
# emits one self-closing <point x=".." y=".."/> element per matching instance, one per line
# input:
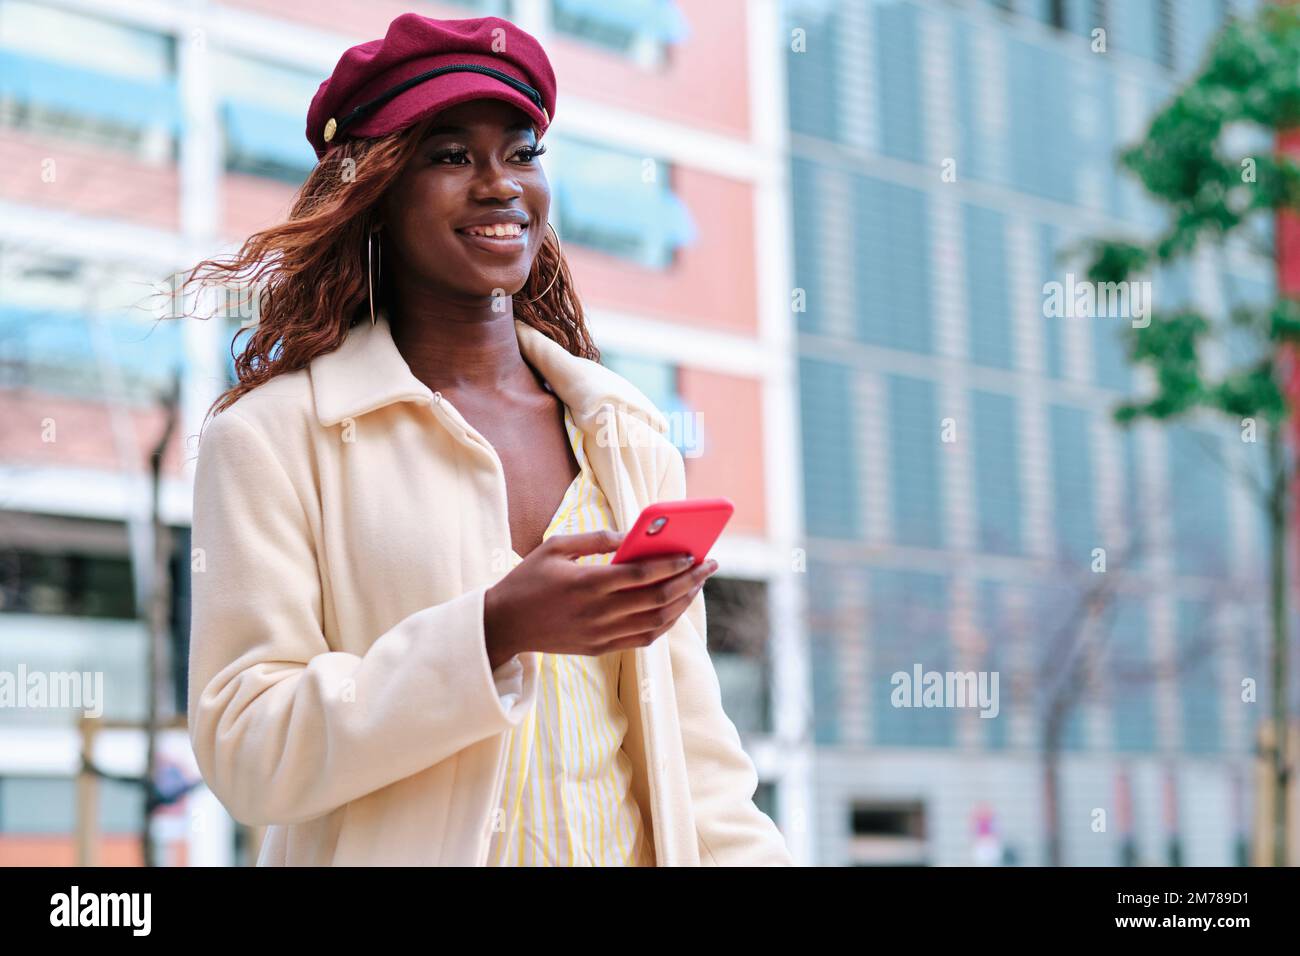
<point x="1250" y="78"/>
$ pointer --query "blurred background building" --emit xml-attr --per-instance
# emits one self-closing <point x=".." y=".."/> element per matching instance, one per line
<point x="816" y="234"/>
<point x="137" y="138"/>
<point x="962" y="473"/>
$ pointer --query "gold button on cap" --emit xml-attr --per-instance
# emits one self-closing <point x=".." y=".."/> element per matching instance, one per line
<point x="330" y="127"/>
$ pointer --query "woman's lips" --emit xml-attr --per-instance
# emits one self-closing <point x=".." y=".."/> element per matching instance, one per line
<point x="505" y="238"/>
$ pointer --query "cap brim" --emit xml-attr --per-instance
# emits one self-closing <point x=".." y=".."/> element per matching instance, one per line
<point x="429" y="99"/>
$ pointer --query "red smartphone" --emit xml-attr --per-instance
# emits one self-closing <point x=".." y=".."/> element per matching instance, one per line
<point x="668" y="528"/>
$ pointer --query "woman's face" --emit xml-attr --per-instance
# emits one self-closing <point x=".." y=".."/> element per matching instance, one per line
<point x="468" y="214"/>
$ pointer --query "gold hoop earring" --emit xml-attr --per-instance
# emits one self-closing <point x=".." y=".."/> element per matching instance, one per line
<point x="370" y="290"/>
<point x="558" y="250"/>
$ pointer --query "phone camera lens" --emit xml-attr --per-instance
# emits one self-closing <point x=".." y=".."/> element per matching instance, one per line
<point x="657" y="525"/>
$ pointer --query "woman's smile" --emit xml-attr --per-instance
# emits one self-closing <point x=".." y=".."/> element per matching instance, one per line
<point x="500" y="234"/>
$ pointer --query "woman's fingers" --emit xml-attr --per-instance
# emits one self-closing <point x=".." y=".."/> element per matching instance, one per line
<point x="657" y="611"/>
<point x="638" y="574"/>
<point x="664" y="591"/>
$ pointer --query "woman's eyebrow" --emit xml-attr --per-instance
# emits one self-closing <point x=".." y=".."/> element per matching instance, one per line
<point x="523" y="126"/>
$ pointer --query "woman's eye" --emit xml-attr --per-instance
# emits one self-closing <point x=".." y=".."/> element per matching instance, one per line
<point x="458" y="157"/>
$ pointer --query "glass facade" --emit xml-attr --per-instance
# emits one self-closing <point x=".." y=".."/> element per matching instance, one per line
<point x="944" y="164"/>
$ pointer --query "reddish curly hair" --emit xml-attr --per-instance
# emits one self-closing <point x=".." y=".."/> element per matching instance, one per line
<point x="309" y="272"/>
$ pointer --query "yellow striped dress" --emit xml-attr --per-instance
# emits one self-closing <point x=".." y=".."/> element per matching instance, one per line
<point x="567" y="799"/>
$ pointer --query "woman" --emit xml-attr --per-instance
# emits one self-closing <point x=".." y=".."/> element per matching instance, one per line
<point x="408" y="642"/>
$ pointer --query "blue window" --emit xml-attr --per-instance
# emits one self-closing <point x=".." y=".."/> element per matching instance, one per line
<point x="78" y="69"/>
<point x="996" y="460"/>
<point x="1049" y="242"/>
<point x="59" y="350"/>
<point x="828" y="600"/>
<point x="620" y="203"/>
<point x="809" y="236"/>
<point x="1198" y="21"/>
<point x="1109" y="348"/>
<point x="987" y="302"/>
<point x="640" y="28"/>
<point x="1244" y="346"/>
<point x="909" y="626"/>
<point x="898" y="81"/>
<point x="1137" y="29"/>
<point x="914" y="462"/>
<point x="657" y="380"/>
<point x="829" y="453"/>
<point x="1197" y="501"/>
<point x="1198" y="688"/>
<point x="972" y="162"/>
<point x="1132" y="688"/>
<point x="1072" y="484"/>
<point x="1104" y="145"/>
<point x="812" y="73"/>
<point x="1057" y="612"/>
<point x="996" y="635"/>
<point x="891" y="259"/>
<point x="1135" y="525"/>
<point x="1044" y="149"/>
<point x="261" y="107"/>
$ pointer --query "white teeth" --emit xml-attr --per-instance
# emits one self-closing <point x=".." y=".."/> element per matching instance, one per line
<point x="500" y="230"/>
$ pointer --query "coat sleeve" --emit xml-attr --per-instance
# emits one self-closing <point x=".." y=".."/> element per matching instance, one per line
<point x="722" y="778"/>
<point x="285" y="729"/>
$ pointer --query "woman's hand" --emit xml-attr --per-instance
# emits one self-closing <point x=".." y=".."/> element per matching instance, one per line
<point x="551" y="603"/>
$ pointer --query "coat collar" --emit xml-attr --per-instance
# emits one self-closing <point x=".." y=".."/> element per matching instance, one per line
<point x="367" y="372"/>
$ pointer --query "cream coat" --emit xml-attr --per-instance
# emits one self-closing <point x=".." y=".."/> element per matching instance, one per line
<point x="346" y="525"/>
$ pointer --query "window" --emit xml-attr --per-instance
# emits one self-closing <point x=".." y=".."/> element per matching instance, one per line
<point x="987" y="303"/>
<point x="1044" y="147"/>
<point x="887" y="834"/>
<point x="898" y="81"/>
<point x="996" y="460"/>
<point x="77" y="585"/>
<point x="892" y="258"/>
<point x="640" y="29"/>
<point x="48" y="805"/>
<point x="994" y="654"/>
<point x="914" y="460"/>
<point x="55" y="334"/>
<point x="833" y="621"/>
<point x="1198" y="688"/>
<point x="620" y="203"/>
<point x="261" y="106"/>
<point x="909" y="629"/>
<point x="1197" y="501"/>
<point x="830" y="471"/>
<point x="738" y="645"/>
<point x="1132" y="686"/>
<point x="812" y="73"/>
<point x="810" y="240"/>
<point x="1072" y="484"/>
<point x="1049" y="242"/>
<point x="86" y="78"/>
<point x="658" y="381"/>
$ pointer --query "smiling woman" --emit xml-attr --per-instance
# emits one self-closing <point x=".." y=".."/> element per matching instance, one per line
<point x="409" y="644"/>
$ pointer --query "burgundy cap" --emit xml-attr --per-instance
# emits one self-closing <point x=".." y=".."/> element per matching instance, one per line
<point x="423" y="66"/>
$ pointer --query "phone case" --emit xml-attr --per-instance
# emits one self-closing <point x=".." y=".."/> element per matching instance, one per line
<point x="691" y="526"/>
